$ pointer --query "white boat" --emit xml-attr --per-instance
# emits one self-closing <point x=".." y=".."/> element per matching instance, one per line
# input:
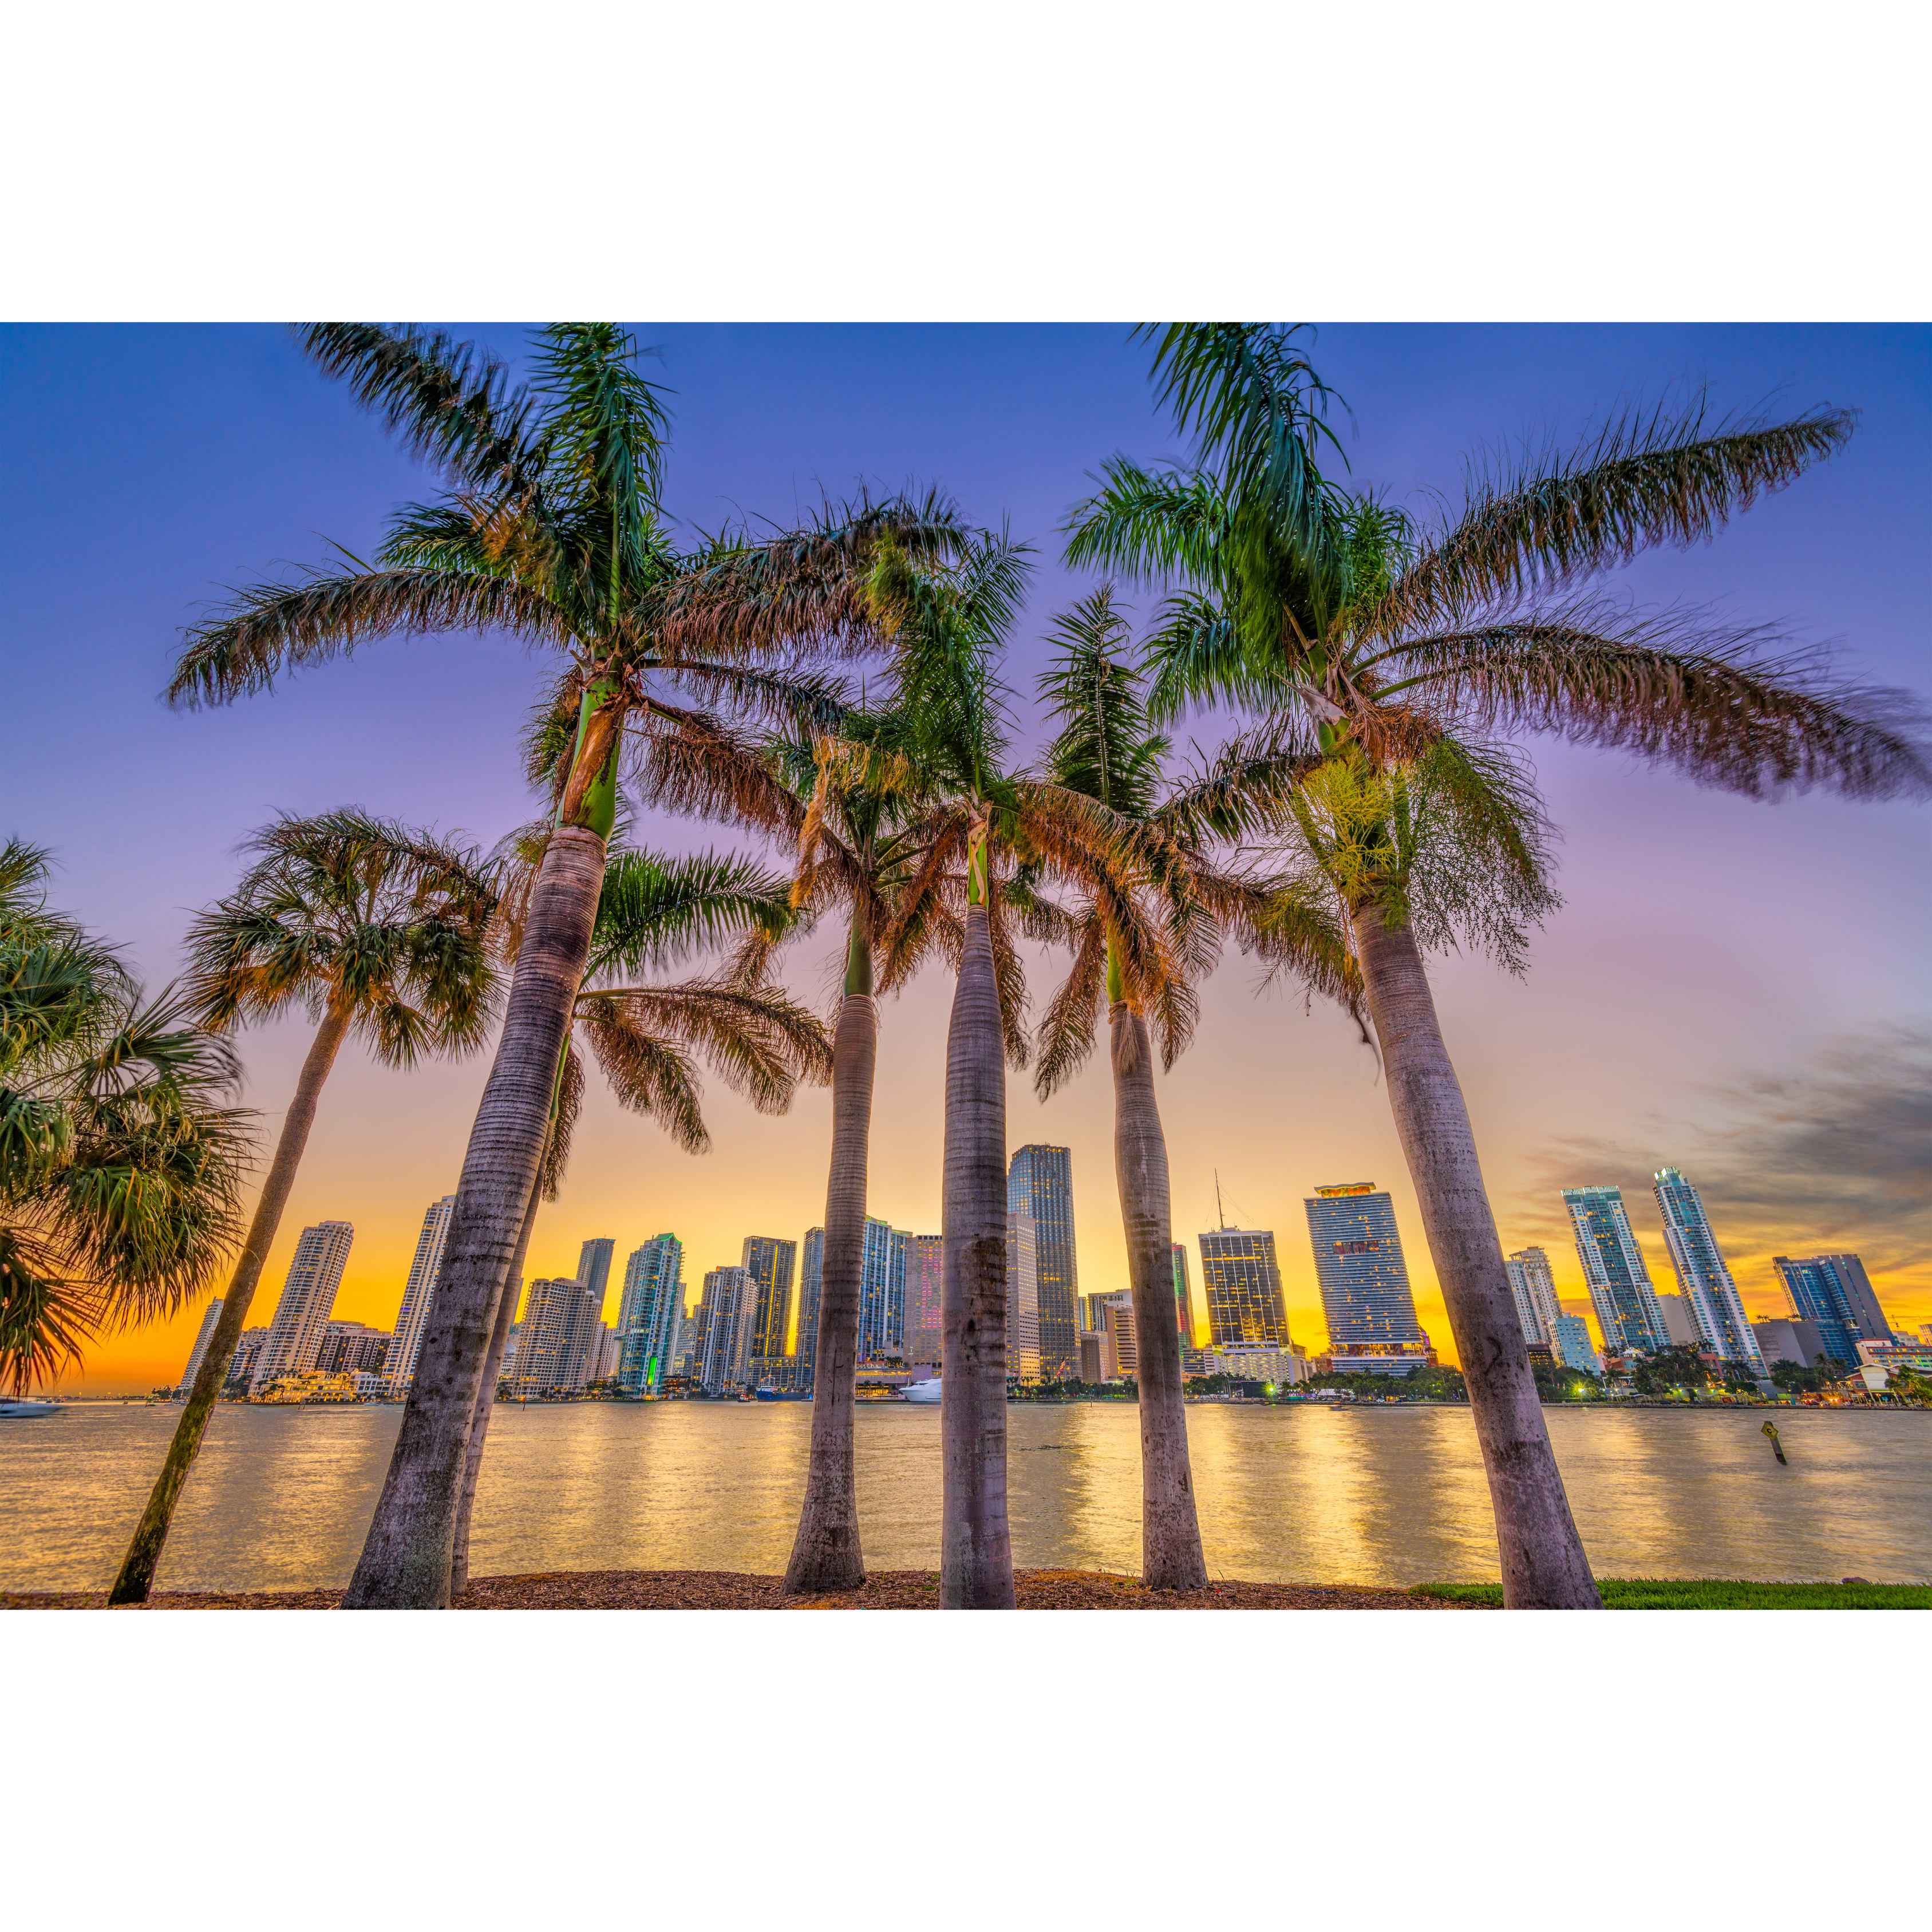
<point x="19" y="1410"/>
<point x="925" y="1391"/>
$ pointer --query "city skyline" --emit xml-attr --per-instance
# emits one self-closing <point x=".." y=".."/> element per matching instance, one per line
<point x="1795" y="1100"/>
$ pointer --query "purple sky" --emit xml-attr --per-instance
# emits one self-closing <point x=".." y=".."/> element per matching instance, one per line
<point x="1739" y="990"/>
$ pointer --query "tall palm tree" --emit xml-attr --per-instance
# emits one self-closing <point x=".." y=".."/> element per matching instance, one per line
<point x="654" y="913"/>
<point x="375" y="931"/>
<point x="1107" y="750"/>
<point x="548" y="529"/>
<point x="1361" y="639"/>
<point x="948" y="628"/>
<point x="121" y="1164"/>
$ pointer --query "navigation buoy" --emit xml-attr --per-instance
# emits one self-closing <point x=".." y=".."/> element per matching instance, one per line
<point x="1777" y="1447"/>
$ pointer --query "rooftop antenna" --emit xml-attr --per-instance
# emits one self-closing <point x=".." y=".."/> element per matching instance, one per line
<point x="1219" y="1215"/>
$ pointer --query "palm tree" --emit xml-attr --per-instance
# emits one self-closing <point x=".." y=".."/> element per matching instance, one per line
<point x="372" y="930"/>
<point x="655" y="912"/>
<point x="121" y="1166"/>
<point x="549" y="530"/>
<point x="1106" y="751"/>
<point x="963" y="895"/>
<point x="1363" y="640"/>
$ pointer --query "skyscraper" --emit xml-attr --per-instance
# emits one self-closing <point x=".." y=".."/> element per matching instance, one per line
<point x="769" y="1262"/>
<point x="1533" y="1288"/>
<point x="308" y="1299"/>
<point x="1834" y="1292"/>
<point x="593" y="1268"/>
<point x="1039" y="1183"/>
<point x="352" y="1347"/>
<point x="924" y="1306"/>
<point x="1242" y="1281"/>
<point x="882" y="1289"/>
<point x="1613" y="1265"/>
<point x="726" y="1317"/>
<point x="1358" y="1261"/>
<point x="1023" y="1349"/>
<point x="399" y="1366"/>
<point x="1703" y="1274"/>
<point x="811" y="1279"/>
<point x="203" y="1336"/>
<point x="1184" y="1300"/>
<point x="1113" y="1318"/>
<point x="554" y="1338"/>
<point x="647" y="1315"/>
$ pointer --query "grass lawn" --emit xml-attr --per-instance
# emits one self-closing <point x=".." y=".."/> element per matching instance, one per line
<point x="1638" y="1593"/>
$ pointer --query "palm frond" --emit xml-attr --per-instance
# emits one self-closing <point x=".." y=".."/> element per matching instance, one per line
<point x="1069" y="1027"/>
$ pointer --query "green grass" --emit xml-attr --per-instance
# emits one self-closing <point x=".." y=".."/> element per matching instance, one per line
<point x="1640" y="1593"/>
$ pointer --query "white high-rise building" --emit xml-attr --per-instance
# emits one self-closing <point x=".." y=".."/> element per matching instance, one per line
<point x="308" y="1300"/>
<point x="726" y="1319"/>
<point x="1022" y="1296"/>
<point x="649" y="1314"/>
<point x="198" y="1354"/>
<point x="1614" y="1267"/>
<point x="1533" y="1287"/>
<point x="1702" y="1273"/>
<point x="399" y="1366"/>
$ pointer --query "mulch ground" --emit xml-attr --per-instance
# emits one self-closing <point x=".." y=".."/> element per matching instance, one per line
<point x="728" y="1590"/>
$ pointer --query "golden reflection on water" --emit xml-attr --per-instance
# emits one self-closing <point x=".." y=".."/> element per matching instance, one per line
<point x="280" y="1497"/>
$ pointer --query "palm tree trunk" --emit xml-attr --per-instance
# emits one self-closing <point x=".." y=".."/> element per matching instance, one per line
<point x="486" y="1397"/>
<point x="137" y="1568"/>
<point x="1171" y="1557"/>
<point x="406" y="1561"/>
<point x="975" y="1553"/>
<point x="1543" y="1565"/>
<point x="826" y="1554"/>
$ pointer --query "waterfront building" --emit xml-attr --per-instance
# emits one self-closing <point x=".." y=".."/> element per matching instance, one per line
<point x="1183" y="1301"/>
<point x="1703" y="1275"/>
<point x="308" y="1300"/>
<point x="1358" y="1261"/>
<point x="593" y="1268"/>
<point x="506" y="1369"/>
<point x="1569" y="1343"/>
<point x="649" y="1315"/>
<point x="247" y="1353"/>
<point x="554" y="1338"/>
<point x="1794" y="1339"/>
<point x="769" y="1262"/>
<point x="926" y="1299"/>
<point x="418" y="1292"/>
<point x="1039" y="1183"/>
<point x="1241" y="1279"/>
<point x="1024" y="1356"/>
<point x="1533" y="1288"/>
<point x="1092" y="1369"/>
<point x="1614" y="1267"/>
<point x="882" y="1289"/>
<point x="1283" y="1367"/>
<point x="1113" y="1316"/>
<point x="1835" y="1291"/>
<point x="351" y="1348"/>
<point x="1680" y="1325"/>
<point x="198" y="1354"/>
<point x="726" y="1317"/>
<point x="788" y="1374"/>
<point x="811" y="1279"/>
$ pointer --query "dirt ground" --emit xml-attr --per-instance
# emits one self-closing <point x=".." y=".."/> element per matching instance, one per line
<point x="726" y="1590"/>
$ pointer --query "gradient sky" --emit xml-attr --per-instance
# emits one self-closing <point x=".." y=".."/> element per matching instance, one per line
<point x="1737" y="990"/>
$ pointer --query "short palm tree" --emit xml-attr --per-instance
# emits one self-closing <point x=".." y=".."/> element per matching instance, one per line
<point x="375" y="931"/>
<point x="1360" y="639"/>
<point x="1106" y="751"/>
<point x="548" y="529"/>
<point x="654" y="913"/>
<point x="121" y="1162"/>
<point x="948" y="629"/>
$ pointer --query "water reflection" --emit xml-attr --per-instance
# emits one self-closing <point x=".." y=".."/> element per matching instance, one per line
<point x="281" y="1498"/>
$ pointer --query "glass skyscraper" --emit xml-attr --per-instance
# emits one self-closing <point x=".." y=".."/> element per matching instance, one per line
<point x="1702" y="1273"/>
<point x="811" y="1279"/>
<point x="925" y="1302"/>
<point x="882" y="1289"/>
<point x="649" y="1315"/>
<point x="1835" y="1292"/>
<point x="1039" y="1183"/>
<point x="1613" y="1265"/>
<point x="1365" y="1291"/>
<point x="1184" y="1302"/>
<point x="1242" y="1280"/>
<point x="399" y="1366"/>
<point x="769" y="1262"/>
